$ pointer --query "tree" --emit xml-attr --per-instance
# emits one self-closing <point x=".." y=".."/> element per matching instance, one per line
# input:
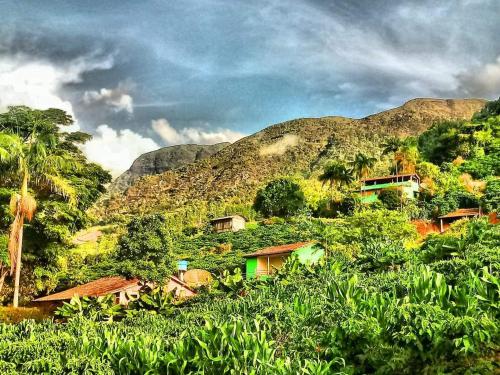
<point x="281" y="197"/>
<point x="38" y="162"/>
<point x="407" y="155"/>
<point x="336" y="174"/>
<point x="490" y="109"/>
<point x="390" y="145"/>
<point x="362" y="165"/>
<point x="145" y="251"/>
<point x="491" y="198"/>
<point x="391" y="198"/>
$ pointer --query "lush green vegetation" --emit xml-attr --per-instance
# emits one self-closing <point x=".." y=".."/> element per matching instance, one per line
<point x="434" y="311"/>
<point x="384" y="300"/>
<point x="46" y="186"/>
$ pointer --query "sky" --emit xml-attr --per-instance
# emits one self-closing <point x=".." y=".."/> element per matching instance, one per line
<point x="140" y="75"/>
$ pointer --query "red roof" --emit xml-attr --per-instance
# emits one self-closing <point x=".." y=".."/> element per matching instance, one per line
<point x="96" y="288"/>
<point x="462" y="212"/>
<point x="390" y="177"/>
<point x="282" y="249"/>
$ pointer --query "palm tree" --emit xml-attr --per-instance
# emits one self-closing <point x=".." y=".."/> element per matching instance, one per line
<point x="362" y="165"/>
<point x="34" y="161"/>
<point x="390" y="146"/>
<point x="407" y="155"/>
<point x="336" y="174"/>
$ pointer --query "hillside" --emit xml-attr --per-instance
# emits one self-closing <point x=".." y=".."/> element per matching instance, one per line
<point x="164" y="159"/>
<point x="296" y="146"/>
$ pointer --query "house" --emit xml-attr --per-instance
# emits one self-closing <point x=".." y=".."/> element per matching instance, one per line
<point x="119" y="286"/>
<point x="232" y="223"/>
<point x="266" y="261"/>
<point x="446" y="220"/>
<point x="409" y="184"/>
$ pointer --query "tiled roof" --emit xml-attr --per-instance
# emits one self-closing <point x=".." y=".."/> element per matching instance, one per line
<point x="96" y="288"/>
<point x="182" y="283"/>
<point x="282" y="249"/>
<point x="462" y="212"/>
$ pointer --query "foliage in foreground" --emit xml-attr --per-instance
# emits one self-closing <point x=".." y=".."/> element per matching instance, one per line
<point x="389" y="311"/>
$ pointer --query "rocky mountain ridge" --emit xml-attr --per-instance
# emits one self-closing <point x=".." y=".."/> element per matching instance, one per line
<point x="296" y="146"/>
<point x="164" y="159"/>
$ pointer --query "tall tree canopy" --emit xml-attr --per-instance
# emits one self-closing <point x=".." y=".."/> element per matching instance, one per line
<point x="362" y="165"/>
<point x="336" y="174"/>
<point x="45" y="172"/>
<point x="281" y="197"/>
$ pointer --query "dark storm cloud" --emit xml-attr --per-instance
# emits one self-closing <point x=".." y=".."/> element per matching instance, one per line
<point x="214" y="64"/>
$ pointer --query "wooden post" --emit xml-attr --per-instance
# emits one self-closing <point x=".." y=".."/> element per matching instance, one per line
<point x="441" y="222"/>
<point x="268" y="265"/>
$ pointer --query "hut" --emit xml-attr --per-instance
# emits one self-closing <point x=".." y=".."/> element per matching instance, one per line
<point x="446" y="220"/>
<point x="197" y="277"/>
<point x="266" y="261"/>
<point x="119" y="286"/>
<point x="231" y="223"/>
<point x="409" y="184"/>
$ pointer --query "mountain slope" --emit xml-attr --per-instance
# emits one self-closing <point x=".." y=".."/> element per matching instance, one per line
<point x="164" y="159"/>
<point x="296" y="146"/>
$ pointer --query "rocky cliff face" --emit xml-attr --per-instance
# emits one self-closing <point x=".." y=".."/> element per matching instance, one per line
<point x="296" y="146"/>
<point x="164" y="159"/>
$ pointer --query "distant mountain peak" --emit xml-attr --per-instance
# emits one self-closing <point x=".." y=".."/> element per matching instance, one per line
<point x="162" y="160"/>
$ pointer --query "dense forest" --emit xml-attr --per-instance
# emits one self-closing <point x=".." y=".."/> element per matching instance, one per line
<point x="386" y="298"/>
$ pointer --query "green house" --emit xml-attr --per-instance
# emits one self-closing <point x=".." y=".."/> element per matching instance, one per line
<point x="266" y="261"/>
<point x="409" y="184"/>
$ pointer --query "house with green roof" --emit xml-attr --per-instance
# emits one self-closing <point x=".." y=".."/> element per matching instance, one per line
<point x="409" y="184"/>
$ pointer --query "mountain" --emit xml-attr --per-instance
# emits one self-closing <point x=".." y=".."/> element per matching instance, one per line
<point x="164" y="159"/>
<point x="296" y="146"/>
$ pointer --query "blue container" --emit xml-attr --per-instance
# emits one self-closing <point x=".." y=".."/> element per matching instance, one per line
<point x="182" y="265"/>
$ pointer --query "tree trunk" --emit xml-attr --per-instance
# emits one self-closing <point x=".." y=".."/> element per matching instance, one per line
<point x="2" y="278"/>
<point x="24" y="193"/>
<point x="18" y="265"/>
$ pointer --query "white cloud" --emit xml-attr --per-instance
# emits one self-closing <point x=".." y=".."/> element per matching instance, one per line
<point x="482" y="82"/>
<point x="37" y="83"/>
<point x="118" y="98"/>
<point x="116" y="150"/>
<point x="173" y="136"/>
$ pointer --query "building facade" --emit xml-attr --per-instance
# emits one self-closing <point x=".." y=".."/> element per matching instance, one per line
<point x="267" y="261"/>
<point x="232" y="223"/>
<point x="409" y="184"/>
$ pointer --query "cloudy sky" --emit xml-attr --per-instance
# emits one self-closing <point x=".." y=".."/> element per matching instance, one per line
<point x="140" y="75"/>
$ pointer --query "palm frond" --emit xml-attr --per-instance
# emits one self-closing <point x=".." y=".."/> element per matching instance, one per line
<point x="62" y="186"/>
<point x="11" y="147"/>
<point x="13" y="205"/>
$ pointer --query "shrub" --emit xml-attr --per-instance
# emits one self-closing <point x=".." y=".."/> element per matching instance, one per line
<point x="281" y="197"/>
<point x="392" y="199"/>
<point x="491" y="198"/>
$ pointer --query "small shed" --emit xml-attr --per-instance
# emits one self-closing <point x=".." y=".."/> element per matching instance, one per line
<point x="119" y="286"/>
<point x="266" y="261"/>
<point x="231" y="223"/>
<point x="446" y="220"/>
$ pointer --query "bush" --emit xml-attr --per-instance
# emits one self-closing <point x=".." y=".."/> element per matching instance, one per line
<point x="491" y="199"/>
<point x="392" y="199"/>
<point x="281" y="197"/>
